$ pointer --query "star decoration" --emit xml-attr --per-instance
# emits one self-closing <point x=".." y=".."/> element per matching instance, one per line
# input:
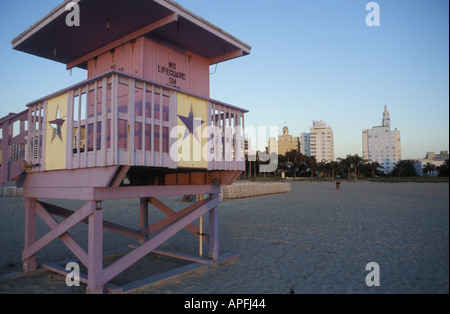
<point x="56" y="126"/>
<point x="189" y="122"/>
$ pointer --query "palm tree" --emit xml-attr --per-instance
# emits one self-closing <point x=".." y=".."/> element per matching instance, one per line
<point x="429" y="167"/>
<point x="321" y="168"/>
<point x="344" y="163"/>
<point x="296" y="159"/>
<point x="311" y="163"/>
<point x="333" y="166"/>
<point x="404" y="168"/>
<point x="281" y="163"/>
<point x="443" y="169"/>
<point x="375" y="165"/>
<point x="355" y="162"/>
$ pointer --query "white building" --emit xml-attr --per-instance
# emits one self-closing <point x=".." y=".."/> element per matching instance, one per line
<point x="305" y="147"/>
<point x="273" y="146"/>
<point x="434" y="159"/>
<point x="383" y="145"/>
<point x="321" y="141"/>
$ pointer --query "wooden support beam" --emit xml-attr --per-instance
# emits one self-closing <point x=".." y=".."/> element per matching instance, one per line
<point x="88" y="177"/>
<point x="110" y="226"/>
<point x="58" y="269"/>
<point x="172" y="274"/>
<point x="154" y="190"/>
<point x="102" y="193"/>
<point x="176" y="215"/>
<point x="73" y="246"/>
<point x="95" y="250"/>
<point x="169" y="212"/>
<point x="214" y="243"/>
<point x="55" y="233"/>
<point x="144" y="219"/>
<point x="29" y="263"/>
<point x="181" y="256"/>
<point x="119" y="176"/>
<point x="135" y="255"/>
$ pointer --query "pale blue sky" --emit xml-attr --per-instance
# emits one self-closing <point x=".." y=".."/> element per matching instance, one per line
<point x="310" y="59"/>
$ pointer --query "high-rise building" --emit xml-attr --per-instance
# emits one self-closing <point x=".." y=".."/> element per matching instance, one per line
<point x="286" y="142"/>
<point x="321" y="141"/>
<point x="305" y="147"/>
<point x="382" y="145"/>
<point x="273" y="146"/>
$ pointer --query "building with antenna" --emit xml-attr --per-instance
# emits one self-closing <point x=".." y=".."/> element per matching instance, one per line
<point x="382" y="145"/>
<point x="287" y="143"/>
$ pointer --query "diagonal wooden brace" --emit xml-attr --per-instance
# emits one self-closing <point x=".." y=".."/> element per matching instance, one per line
<point x="110" y="226"/>
<point x="188" y="218"/>
<point x="58" y="231"/>
<point x="172" y="216"/>
<point x="71" y="244"/>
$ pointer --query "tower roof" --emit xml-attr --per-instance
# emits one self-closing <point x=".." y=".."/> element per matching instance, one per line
<point x="106" y="23"/>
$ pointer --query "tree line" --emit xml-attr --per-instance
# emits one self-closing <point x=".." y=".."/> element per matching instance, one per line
<point x="295" y="164"/>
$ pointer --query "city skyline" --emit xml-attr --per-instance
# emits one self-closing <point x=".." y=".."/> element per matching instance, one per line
<point x="312" y="61"/>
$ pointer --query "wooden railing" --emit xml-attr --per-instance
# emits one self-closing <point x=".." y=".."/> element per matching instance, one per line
<point x="120" y="119"/>
<point x="13" y="132"/>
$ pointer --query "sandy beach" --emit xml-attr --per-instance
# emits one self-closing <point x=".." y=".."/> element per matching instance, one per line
<point x="315" y="239"/>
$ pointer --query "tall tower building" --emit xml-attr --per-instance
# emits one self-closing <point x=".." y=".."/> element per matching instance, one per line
<point x="286" y="142"/>
<point x="321" y="141"/>
<point x="383" y="145"/>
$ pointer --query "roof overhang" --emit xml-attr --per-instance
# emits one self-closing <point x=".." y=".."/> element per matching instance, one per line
<point x="107" y="24"/>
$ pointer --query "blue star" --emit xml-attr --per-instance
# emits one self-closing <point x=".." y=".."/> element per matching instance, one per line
<point x="56" y="126"/>
<point x="189" y="122"/>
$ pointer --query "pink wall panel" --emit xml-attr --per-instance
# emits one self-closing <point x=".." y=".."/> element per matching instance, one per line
<point x="127" y="58"/>
<point x="167" y="64"/>
<point x="158" y="61"/>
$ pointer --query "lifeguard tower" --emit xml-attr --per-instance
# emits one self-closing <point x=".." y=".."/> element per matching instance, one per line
<point x="141" y="126"/>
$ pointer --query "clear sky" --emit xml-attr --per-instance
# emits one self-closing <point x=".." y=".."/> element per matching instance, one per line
<point x="310" y="59"/>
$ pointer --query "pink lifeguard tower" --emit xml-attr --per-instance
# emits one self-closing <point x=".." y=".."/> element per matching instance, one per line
<point x="141" y="126"/>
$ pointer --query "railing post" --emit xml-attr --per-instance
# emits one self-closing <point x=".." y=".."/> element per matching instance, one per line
<point x="144" y="101"/>
<point x="131" y="123"/>
<point x="214" y="244"/>
<point x="95" y="248"/>
<point x="172" y="124"/>
<point x="115" y="120"/>
<point x="29" y="264"/>
<point x="104" y="136"/>
<point x="69" y="135"/>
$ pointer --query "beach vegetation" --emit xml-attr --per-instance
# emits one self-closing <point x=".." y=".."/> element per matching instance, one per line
<point x="404" y="168"/>
<point x="296" y="166"/>
<point x="428" y="168"/>
<point x="443" y="169"/>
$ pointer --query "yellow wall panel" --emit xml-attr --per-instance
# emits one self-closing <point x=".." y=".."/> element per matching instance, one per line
<point x="191" y="121"/>
<point x="55" y="144"/>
